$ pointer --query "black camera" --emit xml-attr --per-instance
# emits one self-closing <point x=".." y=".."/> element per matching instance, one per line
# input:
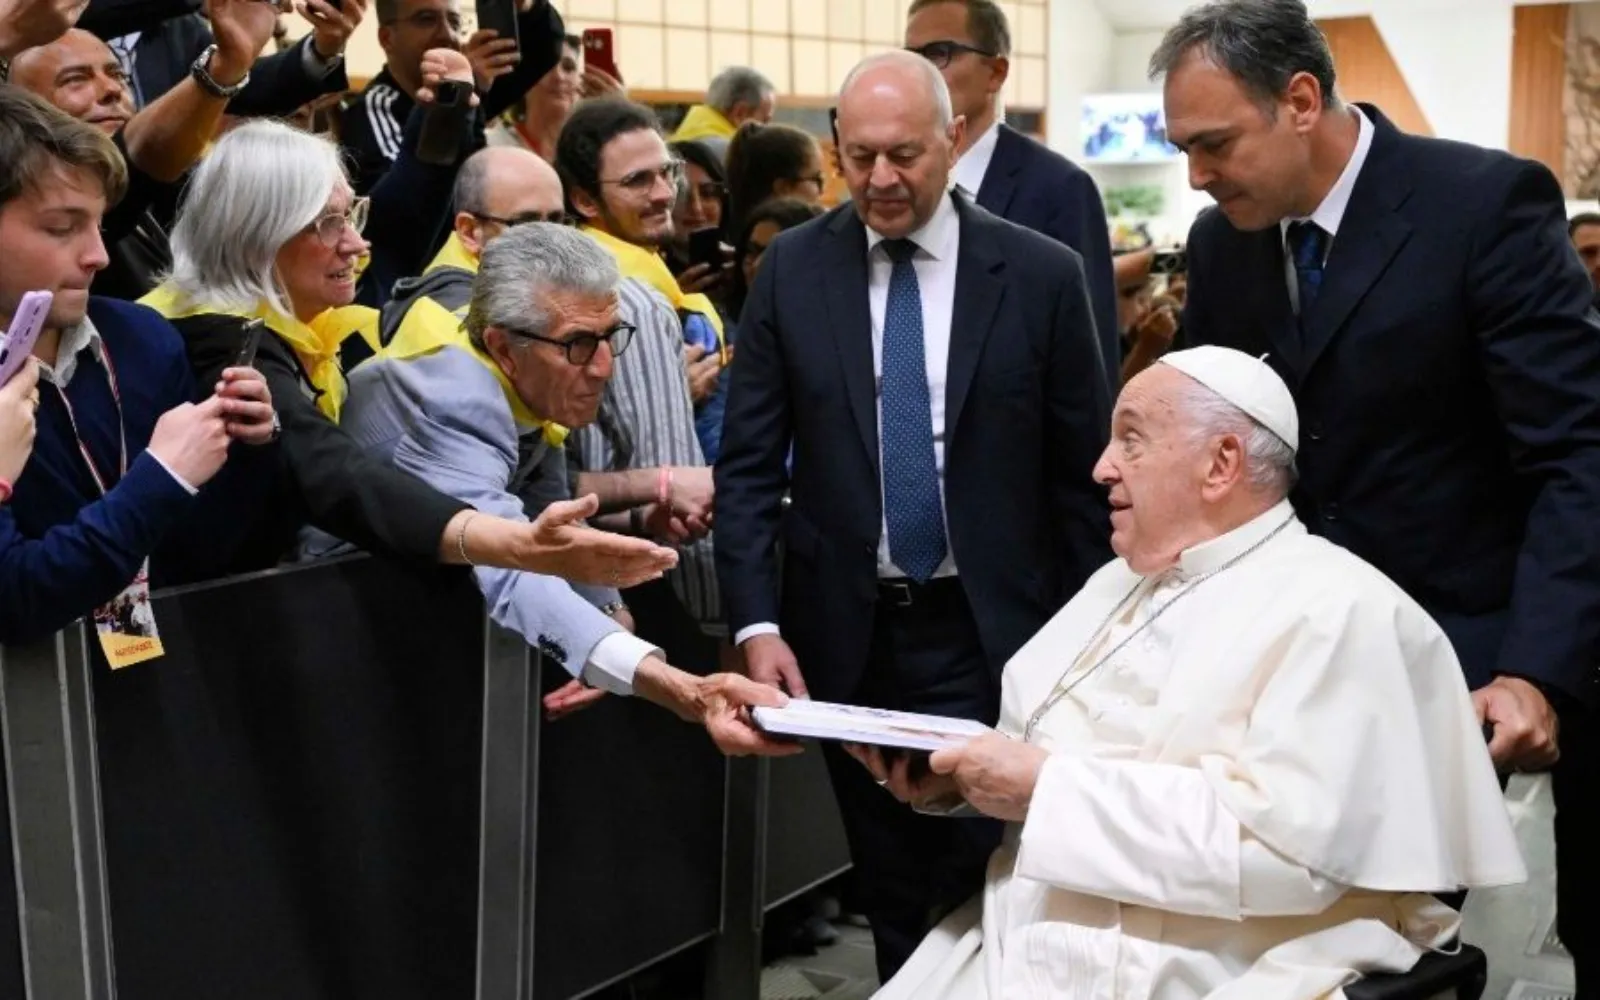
<point x="1175" y="261"/>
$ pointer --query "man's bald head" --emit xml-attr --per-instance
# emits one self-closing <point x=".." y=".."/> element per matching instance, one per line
<point x="897" y="140"/>
<point x="79" y="74"/>
<point x="503" y="186"/>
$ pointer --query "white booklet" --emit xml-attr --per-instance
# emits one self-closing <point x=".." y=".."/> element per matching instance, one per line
<point x="876" y="726"/>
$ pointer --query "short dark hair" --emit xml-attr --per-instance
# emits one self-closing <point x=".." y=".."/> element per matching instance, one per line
<point x="787" y="213"/>
<point x="1262" y="43"/>
<point x="36" y="137"/>
<point x="585" y="136"/>
<point x="986" y="23"/>
<point x="1580" y="220"/>
<point x="388" y="11"/>
<point x="706" y="158"/>
<point x="758" y="157"/>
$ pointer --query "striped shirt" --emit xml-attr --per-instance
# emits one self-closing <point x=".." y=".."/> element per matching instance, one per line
<point x="646" y="421"/>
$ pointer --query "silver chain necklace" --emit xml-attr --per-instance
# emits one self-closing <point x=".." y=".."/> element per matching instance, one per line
<point x="1062" y="688"/>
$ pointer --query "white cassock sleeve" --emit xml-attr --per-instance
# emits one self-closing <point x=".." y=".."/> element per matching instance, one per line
<point x="1156" y="835"/>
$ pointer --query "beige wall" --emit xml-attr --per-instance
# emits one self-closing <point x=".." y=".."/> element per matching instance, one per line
<point x="804" y="46"/>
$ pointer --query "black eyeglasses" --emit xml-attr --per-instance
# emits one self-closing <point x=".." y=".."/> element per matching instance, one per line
<point x="940" y="53"/>
<point x="582" y="347"/>
<point x="430" y="20"/>
<point x="557" y="217"/>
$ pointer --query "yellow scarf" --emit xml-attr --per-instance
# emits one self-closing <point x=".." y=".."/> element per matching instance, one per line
<point x="430" y="327"/>
<point x="455" y="254"/>
<point x="316" y="344"/>
<point x="647" y="266"/>
<point x="704" y="122"/>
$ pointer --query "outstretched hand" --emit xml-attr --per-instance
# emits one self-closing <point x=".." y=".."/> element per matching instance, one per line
<point x="559" y="543"/>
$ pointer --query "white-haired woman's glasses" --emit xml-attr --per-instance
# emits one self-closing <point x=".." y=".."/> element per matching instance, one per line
<point x="330" y="228"/>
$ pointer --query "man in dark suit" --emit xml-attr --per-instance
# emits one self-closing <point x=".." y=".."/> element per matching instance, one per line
<point x="1422" y="302"/>
<point x="1004" y="171"/>
<point x="918" y="559"/>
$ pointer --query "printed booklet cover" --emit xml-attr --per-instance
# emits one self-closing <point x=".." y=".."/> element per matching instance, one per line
<point x="876" y="726"/>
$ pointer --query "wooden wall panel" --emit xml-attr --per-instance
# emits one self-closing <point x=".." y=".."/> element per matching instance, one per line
<point x="1367" y="72"/>
<point x="1538" y="84"/>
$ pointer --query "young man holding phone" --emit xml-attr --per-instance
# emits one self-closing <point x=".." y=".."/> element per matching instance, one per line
<point x="121" y="449"/>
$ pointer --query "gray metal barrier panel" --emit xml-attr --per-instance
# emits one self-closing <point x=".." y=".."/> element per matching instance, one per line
<point x="293" y="801"/>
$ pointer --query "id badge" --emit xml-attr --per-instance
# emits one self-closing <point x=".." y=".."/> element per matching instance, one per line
<point x="126" y="624"/>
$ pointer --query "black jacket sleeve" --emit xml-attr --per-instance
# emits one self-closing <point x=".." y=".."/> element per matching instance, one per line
<point x="542" y="31"/>
<point x="341" y="487"/>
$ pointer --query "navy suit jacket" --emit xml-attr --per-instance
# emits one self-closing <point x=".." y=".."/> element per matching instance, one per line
<point x="1034" y="186"/>
<point x="1449" y="394"/>
<point x="1027" y="413"/>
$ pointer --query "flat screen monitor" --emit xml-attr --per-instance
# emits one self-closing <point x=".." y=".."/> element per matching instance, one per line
<point x="1125" y="128"/>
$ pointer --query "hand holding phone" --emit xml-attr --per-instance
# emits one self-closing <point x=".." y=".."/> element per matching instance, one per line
<point x="26" y="325"/>
<point x="599" y="51"/>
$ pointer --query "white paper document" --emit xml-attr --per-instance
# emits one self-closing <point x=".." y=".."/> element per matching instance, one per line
<point x="876" y="726"/>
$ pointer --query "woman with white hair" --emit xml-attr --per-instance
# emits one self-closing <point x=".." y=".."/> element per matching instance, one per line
<point x="270" y="231"/>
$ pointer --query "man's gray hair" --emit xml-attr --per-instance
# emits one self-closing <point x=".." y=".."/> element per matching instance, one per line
<point x="523" y="265"/>
<point x="261" y="185"/>
<point x="1261" y="43"/>
<point x="1269" y="461"/>
<point x="910" y="60"/>
<point x="738" y="85"/>
<point x="471" y="193"/>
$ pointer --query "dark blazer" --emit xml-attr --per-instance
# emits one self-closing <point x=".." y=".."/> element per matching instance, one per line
<point x="1027" y="414"/>
<point x="279" y="81"/>
<point x="1449" y="394"/>
<point x="1034" y="186"/>
<point x="323" y="477"/>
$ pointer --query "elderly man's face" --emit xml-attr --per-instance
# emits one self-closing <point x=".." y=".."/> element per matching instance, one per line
<point x="79" y="74"/>
<point x="521" y="188"/>
<point x="895" y="157"/>
<point x="1156" y="469"/>
<point x="544" y="374"/>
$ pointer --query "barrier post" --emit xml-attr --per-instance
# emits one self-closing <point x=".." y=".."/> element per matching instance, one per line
<point x="53" y="792"/>
<point x="733" y="967"/>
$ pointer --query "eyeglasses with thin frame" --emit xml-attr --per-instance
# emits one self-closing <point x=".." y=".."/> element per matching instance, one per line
<point x="581" y="347"/>
<point x="557" y="217"/>
<point x="644" y="181"/>
<point x="429" y="20"/>
<point x="330" y="228"/>
<point x="941" y="53"/>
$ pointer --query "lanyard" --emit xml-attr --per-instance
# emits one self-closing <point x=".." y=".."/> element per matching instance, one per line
<point x="122" y="426"/>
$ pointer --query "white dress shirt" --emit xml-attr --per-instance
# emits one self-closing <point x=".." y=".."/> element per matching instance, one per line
<point x="973" y="165"/>
<point x="75" y="340"/>
<point x="938" y="245"/>
<point x="1331" y="212"/>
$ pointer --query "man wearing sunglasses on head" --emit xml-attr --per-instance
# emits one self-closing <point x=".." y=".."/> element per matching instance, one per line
<point x="1001" y="169"/>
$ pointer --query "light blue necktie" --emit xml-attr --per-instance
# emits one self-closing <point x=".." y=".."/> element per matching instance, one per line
<point x="912" y="507"/>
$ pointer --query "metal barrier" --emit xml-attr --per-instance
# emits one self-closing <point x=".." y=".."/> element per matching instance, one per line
<point x="338" y="784"/>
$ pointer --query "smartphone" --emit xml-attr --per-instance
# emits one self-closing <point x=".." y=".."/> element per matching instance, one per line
<point x="599" y="51"/>
<point x="247" y="351"/>
<point x="705" y="247"/>
<point x="1170" y="262"/>
<point x="26" y="325"/>
<point x="501" y="17"/>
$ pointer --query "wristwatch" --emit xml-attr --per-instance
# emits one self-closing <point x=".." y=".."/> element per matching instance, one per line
<point x="208" y="83"/>
<point x="610" y="608"/>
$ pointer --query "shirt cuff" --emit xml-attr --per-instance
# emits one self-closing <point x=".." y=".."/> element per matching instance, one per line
<point x="315" y="65"/>
<point x="175" y="477"/>
<point x="614" y="660"/>
<point x="751" y="631"/>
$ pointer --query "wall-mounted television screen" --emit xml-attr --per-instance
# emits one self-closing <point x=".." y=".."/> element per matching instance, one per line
<point x="1125" y="128"/>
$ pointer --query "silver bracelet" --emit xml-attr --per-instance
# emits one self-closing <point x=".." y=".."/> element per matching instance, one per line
<point x="461" y="539"/>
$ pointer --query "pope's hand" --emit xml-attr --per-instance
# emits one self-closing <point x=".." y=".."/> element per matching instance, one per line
<point x="1525" y="726"/>
<point x="995" y="773"/>
<point x="916" y="787"/>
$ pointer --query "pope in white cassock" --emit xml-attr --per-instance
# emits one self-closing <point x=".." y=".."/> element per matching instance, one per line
<point x="1236" y="764"/>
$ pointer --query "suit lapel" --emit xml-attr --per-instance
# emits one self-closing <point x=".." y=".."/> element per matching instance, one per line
<point x="1370" y="235"/>
<point x="978" y="291"/>
<point x="1000" y="180"/>
<point x="850" y="320"/>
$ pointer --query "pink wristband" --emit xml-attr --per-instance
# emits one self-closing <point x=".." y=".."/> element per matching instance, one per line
<point x="664" y="486"/>
<point x="5" y="490"/>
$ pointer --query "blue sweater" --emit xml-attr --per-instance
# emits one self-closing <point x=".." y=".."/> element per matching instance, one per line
<point x="65" y="549"/>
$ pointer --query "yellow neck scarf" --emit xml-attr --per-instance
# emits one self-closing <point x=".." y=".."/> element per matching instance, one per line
<point x="647" y="266"/>
<point x="430" y="327"/>
<point x="315" y="344"/>
<point x="704" y="122"/>
<point x="455" y="254"/>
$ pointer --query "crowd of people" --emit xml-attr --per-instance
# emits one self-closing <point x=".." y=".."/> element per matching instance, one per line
<point x="934" y="449"/>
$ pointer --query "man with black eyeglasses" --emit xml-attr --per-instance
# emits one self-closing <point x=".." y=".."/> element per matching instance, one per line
<point x="1015" y="177"/>
<point x="479" y="408"/>
<point x="621" y="182"/>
